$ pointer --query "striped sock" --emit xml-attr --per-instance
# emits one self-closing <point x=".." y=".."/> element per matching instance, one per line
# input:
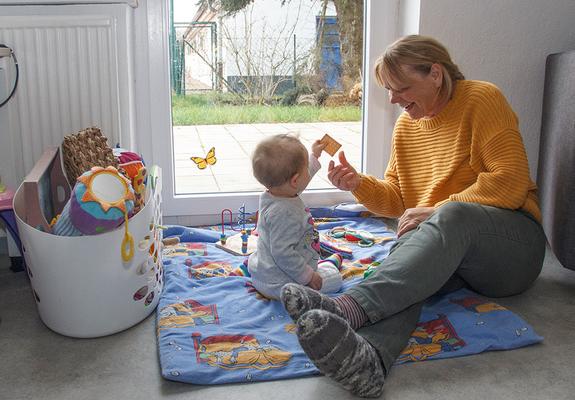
<point x="298" y="300"/>
<point x="351" y="310"/>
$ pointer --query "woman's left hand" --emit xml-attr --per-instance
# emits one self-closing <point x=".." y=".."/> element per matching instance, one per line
<point x="412" y="217"/>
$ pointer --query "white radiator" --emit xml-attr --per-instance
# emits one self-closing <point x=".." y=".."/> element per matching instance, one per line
<point x="75" y="72"/>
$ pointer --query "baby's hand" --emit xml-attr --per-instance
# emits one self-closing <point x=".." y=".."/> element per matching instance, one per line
<point x="316" y="282"/>
<point x="317" y="147"/>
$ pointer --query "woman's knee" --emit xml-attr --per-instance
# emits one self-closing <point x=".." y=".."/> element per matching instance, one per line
<point x="455" y="214"/>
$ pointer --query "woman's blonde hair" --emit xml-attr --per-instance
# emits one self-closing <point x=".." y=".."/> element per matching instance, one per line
<point x="419" y="53"/>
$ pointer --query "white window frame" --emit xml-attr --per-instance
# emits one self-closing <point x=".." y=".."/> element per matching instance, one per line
<point x="154" y="112"/>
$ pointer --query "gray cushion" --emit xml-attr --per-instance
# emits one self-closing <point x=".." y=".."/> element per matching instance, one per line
<point x="556" y="170"/>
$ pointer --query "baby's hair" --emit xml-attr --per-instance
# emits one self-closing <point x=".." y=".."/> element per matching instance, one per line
<point x="277" y="158"/>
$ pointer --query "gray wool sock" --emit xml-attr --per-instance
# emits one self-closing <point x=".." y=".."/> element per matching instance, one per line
<point x="297" y="300"/>
<point x="340" y="353"/>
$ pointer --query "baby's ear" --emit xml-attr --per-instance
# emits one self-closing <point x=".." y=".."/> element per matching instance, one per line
<point x="293" y="180"/>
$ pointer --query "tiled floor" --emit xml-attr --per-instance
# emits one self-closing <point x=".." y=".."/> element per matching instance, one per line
<point x="234" y="145"/>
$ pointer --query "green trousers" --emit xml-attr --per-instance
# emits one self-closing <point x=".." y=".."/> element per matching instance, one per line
<point x="492" y="251"/>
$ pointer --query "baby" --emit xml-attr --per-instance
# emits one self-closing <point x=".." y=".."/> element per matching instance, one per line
<point x="288" y="244"/>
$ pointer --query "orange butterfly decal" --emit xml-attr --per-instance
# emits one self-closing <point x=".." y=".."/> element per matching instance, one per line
<point x="210" y="159"/>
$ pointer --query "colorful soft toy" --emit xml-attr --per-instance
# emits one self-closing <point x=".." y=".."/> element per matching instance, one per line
<point x="101" y="201"/>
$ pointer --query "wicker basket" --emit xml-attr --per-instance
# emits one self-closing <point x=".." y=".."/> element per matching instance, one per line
<point x="84" y="150"/>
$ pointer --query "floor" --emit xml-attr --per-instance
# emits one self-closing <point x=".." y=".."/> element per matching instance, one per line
<point x="233" y="148"/>
<point x="37" y="363"/>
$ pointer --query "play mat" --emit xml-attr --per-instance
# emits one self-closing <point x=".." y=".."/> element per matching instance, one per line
<point x="213" y="327"/>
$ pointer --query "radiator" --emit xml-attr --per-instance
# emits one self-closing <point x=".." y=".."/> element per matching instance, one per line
<point x="75" y="72"/>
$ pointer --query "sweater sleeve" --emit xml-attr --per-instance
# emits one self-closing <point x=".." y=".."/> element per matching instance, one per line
<point x="284" y="235"/>
<point x="314" y="165"/>
<point x="381" y="196"/>
<point x="497" y="155"/>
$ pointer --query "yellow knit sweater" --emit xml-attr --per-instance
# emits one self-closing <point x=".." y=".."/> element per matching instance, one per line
<point x="471" y="151"/>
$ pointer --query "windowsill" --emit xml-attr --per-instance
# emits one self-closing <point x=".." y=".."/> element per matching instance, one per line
<point x="131" y="3"/>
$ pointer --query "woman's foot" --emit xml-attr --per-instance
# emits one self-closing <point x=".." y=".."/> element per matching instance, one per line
<point x="340" y="353"/>
<point x="298" y="300"/>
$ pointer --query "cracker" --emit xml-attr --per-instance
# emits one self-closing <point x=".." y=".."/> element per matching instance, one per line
<point x="332" y="146"/>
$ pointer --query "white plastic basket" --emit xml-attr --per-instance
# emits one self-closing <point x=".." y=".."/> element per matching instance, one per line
<point x="81" y="285"/>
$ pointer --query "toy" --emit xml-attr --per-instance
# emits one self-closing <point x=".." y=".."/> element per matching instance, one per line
<point x="139" y="186"/>
<point x="361" y="238"/>
<point x="243" y="243"/>
<point x="371" y="268"/>
<point x="328" y="248"/>
<point x="101" y="200"/>
<point x="84" y="150"/>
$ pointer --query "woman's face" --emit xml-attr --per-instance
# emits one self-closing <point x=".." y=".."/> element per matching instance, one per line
<point x="418" y="94"/>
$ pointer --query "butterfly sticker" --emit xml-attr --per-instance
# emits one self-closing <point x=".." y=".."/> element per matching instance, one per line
<point x="210" y="159"/>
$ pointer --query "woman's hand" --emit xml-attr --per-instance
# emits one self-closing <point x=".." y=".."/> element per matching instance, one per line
<point x="316" y="282"/>
<point x="412" y="217"/>
<point x="317" y="147"/>
<point x="343" y="176"/>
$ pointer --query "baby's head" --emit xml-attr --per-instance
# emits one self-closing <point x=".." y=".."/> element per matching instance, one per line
<point x="278" y="158"/>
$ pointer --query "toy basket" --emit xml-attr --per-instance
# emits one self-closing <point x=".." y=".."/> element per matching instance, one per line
<point x="82" y="286"/>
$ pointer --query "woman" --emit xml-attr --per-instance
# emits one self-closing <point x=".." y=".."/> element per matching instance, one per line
<point x="458" y="180"/>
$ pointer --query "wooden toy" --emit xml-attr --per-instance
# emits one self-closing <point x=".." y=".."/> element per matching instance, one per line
<point x="242" y="243"/>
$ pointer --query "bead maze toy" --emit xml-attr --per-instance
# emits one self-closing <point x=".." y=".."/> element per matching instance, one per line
<point x="244" y="242"/>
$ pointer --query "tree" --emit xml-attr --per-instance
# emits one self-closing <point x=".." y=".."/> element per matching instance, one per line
<point x="350" y="24"/>
<point x="265" y="61"/>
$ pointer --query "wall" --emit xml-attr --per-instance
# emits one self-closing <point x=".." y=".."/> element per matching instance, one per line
<point x="505" y="42"/>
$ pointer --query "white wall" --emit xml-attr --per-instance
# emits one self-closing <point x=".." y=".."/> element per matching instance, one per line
<point x="505" y="42"/>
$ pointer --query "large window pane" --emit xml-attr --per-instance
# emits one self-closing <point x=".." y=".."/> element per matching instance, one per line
<point x="264" y="70"/>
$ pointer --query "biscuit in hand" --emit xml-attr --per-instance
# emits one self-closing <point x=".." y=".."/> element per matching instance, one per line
<point x="332" y="146"/>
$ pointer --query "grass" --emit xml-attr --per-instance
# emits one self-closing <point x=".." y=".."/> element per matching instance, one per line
<point x="213" y="109"/>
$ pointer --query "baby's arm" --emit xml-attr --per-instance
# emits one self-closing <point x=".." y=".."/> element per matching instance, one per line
<point x="314" y="165"/>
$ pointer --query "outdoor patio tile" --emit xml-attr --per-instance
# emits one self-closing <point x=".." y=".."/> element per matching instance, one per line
<point x="234" y="145"/>
<point x="236" y="165"/>
<point x="231" y="183"/>
<point x="249" y="135"/>
<point x="187" y="128"/>
<point x="272" y="131"/>
<point x="209" y="127"/>
<point x="196" y="184"/>
<point x="189" y="142"/>
<point x="220" y="134"/>
<point x="234" y="152"/>
<point x="248" y="148"/>
<point x="184" y="136"/>
<point x="194" y="172"/>
<point x="240" y="128"/>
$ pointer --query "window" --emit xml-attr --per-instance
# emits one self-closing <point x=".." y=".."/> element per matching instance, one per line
<point x="167" y="149"/>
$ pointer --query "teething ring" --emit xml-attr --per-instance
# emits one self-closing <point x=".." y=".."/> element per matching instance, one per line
<point x="127" y="247"/>
<point x="127" y="242"/>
